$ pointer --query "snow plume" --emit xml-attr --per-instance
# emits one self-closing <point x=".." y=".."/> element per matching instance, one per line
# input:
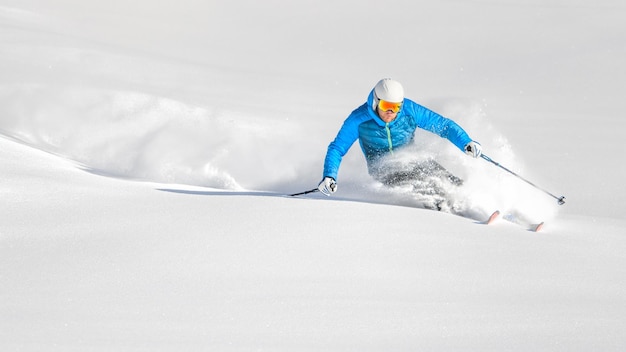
<point x="486" y="186"/>
<point x="140" y="136"/>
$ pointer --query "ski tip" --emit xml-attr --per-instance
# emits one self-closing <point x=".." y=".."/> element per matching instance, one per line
<point x="537" y="227"/>
<point x="493" y="217"/>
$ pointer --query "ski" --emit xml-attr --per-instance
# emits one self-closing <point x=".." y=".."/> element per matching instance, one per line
<point x="518" y="220"/>
<point x="515" y="220"/>
<point x="536" y="227"/>
<point x="493" y="217"/>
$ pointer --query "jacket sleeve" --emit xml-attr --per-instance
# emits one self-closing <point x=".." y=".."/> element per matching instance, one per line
<point x="442" y="126"/>
<point x="346" y="137"/>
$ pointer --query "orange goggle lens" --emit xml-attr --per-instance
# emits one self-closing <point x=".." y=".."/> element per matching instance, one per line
<point x="386" y="106"/>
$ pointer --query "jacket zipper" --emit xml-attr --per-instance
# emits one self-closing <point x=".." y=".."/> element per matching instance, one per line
<point x="389" y="138"/>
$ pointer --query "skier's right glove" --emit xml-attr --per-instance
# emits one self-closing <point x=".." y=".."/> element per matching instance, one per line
<point x="328" y="186"/>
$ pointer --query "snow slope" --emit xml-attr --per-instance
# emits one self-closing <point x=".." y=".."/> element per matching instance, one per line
<point x="146" y="149"/>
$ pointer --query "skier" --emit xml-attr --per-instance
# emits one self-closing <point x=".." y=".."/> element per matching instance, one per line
<point x="384" y="124"/>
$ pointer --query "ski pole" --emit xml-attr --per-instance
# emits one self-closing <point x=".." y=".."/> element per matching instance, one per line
<point x="560" y="200"/>
<point x="305" y="192"/>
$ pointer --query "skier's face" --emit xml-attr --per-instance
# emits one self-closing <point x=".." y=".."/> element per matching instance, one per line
<point x="386" y="116"/>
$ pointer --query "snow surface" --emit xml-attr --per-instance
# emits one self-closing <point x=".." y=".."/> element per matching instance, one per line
<point x="146" y="148"/>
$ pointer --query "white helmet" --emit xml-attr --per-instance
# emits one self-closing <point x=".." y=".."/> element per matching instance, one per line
<point x="389" y="90"/>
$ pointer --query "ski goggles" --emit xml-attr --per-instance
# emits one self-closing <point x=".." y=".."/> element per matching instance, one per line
<point x="384" y="105"/>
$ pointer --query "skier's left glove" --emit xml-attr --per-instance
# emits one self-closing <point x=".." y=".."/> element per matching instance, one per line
<point x="328" y="186"/>
<point x="473" y="149"/>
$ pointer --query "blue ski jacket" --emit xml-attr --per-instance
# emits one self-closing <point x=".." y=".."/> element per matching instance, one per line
<point x="378" y="138"/>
